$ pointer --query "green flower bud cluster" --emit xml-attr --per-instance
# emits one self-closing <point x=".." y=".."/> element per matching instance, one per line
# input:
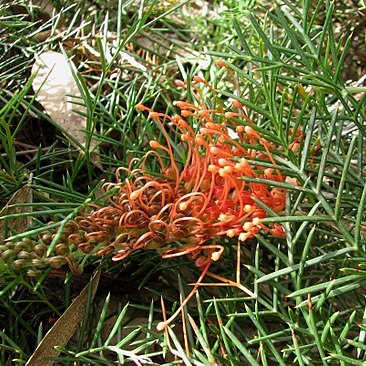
<point x="31" y="255"/>
<point x="24" y="254"/>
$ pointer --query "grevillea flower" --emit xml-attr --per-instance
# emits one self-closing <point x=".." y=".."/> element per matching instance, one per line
<point x="189" y="205"/>
<point x="185" y="207"/>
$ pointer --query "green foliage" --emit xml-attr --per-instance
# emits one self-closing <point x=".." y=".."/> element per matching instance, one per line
<point x="290" y="62"/>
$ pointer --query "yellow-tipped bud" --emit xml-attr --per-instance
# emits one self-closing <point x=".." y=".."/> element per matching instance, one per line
<point x="183" y="206"/>
<point x="215" y="256"/>
<point x="154" y="115"/>
<point x="135" y="194"/>
<point x="161" y="326"/>
<point x="154" y="144"/>
<point x="247" y="226"/>
<point x="229" y="115"/>
<point x="248" y="208"/>
<point x="213" y="168"/>
<point x="256" y="221"/>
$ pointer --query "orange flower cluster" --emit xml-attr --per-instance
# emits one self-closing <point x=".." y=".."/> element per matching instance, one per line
<point x="186" y="204"/>
<point x="189" y="205"/>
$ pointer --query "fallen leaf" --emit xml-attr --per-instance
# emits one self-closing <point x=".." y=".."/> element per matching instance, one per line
<point x="64" y="327"/>
<point x="59" y="94"/>
<point x="16" y="224"/>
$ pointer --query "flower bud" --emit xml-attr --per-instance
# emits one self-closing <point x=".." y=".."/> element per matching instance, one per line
<point x="57" y="262"/>
<point x="40" y="249"/>
<point x="19" y="264"/>
<point x="8" y="254"/>
<point x="46" y="238"/>
<point x="39" y="262"/>
<point x="10" y="245"/>
<point x="34" y="273"/>
<point x="18" y="246"/>
<point x="24" y="255"/>
<point x="62" y="249"/>
<point x="28" y="241"/>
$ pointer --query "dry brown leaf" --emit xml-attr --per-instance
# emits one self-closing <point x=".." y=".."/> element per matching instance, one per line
<point x="60" y="96"/>
<point x="17" y="224"/>
<point x="64" y="328"/>
<point x="45" y="6"/>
